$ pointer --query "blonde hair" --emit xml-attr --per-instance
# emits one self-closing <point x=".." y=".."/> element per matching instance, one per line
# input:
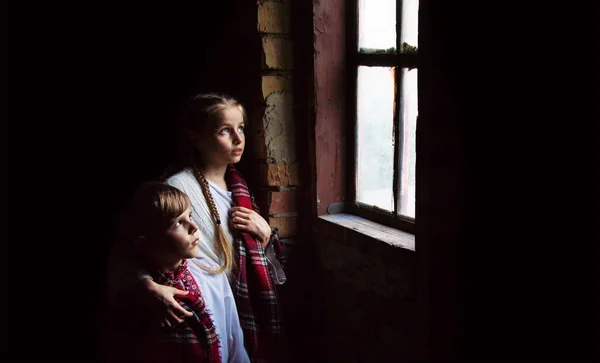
<point x="197" y="116"/>
<point x="223" y="246"/>
<point x="200" y="112"/>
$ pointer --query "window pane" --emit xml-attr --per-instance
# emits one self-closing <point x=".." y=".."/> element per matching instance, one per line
<point x="375" y="147"/>
<point x="408" y="150"/>
<point x="376" y="25"/>
<point x="409" y="36"/>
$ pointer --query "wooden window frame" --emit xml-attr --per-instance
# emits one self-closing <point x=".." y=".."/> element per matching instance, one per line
<point x="354" y="59"/>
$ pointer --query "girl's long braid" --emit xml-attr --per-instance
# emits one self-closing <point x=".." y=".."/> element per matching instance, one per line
<point x="223" y="246"/>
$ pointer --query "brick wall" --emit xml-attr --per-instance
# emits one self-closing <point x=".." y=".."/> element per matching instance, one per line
<point x="275" y="144"/>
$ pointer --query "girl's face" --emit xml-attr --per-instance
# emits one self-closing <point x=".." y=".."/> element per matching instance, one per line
<point x="225" y="141"/>
<point x="178" y="240"/>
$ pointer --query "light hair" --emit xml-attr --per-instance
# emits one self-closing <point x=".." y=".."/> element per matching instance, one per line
<point x="223" y="246"/>
<point x="200" y="113"/>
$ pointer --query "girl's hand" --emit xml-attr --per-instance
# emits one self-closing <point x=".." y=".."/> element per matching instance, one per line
<point x="247" y="220"/>
<point x="160" y="303"/>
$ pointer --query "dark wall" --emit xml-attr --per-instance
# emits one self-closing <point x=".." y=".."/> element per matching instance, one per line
<point x="507" y="263"/>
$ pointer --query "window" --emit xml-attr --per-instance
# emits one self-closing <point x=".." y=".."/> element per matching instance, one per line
<point x="382" y="59"/>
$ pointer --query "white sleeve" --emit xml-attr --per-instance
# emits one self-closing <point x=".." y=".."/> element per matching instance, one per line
<point x="122" y="273"/>
<point x="235" y="338"/>
<point x="177" y="183"/>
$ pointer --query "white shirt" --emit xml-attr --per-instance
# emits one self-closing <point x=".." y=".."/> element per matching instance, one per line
<point x="220" y="303"/>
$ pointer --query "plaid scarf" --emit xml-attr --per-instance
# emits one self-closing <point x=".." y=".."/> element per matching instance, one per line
<point x="254" y="291"/>
<point x="194" y="340"/>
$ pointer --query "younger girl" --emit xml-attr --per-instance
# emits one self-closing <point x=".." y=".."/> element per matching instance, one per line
<point x="156" y="230"/>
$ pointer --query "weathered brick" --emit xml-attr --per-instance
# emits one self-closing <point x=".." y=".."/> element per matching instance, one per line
<point x="280" y="174"/>
<point x="278" y="53"/>
<point x="274" y="17"/>
<point x="287" y="225"/>
<point x="278" y="123"/>
<point x="283" y="202"/>
<point x="272" y="84"/>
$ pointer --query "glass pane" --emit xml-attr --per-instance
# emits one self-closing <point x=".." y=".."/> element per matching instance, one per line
<point x="375" y="144"/>
<point x="376" y="25"/>
<point x="409" y="32"/>
<point x="408" y="149"/>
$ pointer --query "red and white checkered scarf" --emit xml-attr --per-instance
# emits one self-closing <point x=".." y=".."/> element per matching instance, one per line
<point x="253" y="288"/>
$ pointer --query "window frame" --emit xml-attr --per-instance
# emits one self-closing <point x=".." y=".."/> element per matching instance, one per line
<point x="354" y="59"/>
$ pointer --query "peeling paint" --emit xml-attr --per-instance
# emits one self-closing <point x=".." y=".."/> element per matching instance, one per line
<point x="278" y="124"/>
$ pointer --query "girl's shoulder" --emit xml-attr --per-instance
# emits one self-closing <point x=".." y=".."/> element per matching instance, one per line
<point x="184" y="180"/>
<point x="185" y="175"/>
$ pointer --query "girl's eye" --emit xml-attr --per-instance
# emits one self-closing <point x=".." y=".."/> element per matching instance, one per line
<point x="241" y="129"/>
<point x="224" y="131"/>
<point x="177" y="224"/>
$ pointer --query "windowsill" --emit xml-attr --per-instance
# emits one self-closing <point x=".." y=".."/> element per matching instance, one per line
<point x="368" y="229"/>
